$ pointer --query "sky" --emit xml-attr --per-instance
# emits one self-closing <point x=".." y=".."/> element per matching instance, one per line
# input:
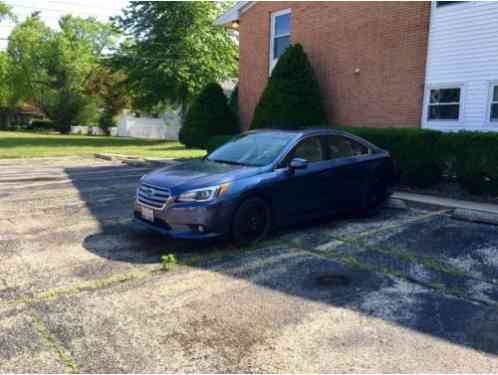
<point x="52" y="10"/>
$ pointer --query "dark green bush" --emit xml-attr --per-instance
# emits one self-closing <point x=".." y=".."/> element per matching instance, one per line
<point x="472" y="157"/>
<point x="209" y="115"/>
<point x="41" y="125"/>
<point x="106" y="121"/>
<point x="233" y="100"/>
<point x="292" y="97"/>
<point x="415" y="152"/>
<point x="217" y="141"/>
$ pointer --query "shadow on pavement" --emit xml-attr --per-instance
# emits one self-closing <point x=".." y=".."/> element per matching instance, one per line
<point x="292" y="272"/>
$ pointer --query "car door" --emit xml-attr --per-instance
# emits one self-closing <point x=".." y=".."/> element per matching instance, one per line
<point x="300" y="192"/>
<point x="348" y="170"/>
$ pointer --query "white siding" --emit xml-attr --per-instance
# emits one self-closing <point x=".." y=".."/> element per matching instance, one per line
<point x="463" y="51"/>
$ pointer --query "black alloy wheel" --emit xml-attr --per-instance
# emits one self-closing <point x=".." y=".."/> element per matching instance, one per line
<point x="251" y="222"/>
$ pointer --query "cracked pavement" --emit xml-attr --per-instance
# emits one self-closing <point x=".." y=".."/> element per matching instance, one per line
<point x="82" y="290"/>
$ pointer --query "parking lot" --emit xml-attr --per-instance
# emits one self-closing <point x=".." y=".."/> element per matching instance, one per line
<point x="82" y="289"/>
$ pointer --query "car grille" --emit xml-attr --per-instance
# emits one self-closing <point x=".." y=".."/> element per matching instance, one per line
<point x="153" y="196"/>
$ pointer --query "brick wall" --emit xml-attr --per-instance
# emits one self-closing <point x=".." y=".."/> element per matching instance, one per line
<point x="386" y="41"/>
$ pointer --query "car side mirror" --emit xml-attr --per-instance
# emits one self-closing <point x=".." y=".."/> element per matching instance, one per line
<point x="298" y="163"/>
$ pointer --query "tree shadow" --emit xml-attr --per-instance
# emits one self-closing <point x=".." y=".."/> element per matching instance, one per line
<point x="275" y="265"/>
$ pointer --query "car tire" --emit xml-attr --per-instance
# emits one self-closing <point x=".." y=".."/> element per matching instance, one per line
<point x="375" y="194"/>
<point x="251" y="222"/>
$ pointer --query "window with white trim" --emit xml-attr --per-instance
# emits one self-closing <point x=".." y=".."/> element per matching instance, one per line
<point x="493" y="106"/>
<point x="280" y="35"/>
<point x="444" y="104"/>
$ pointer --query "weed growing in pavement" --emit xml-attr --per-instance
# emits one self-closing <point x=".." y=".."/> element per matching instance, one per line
<point x="168" y="261"/>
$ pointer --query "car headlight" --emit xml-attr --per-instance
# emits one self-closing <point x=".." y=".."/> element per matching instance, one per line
<point x="204" y="194"/>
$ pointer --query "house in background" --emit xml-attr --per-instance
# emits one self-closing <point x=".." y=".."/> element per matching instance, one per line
<point x="379" y="64"/>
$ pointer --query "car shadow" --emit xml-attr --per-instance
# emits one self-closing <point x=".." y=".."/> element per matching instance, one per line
<point x="282" y="268"/>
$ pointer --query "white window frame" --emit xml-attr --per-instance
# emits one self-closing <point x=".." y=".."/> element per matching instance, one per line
<point x="271" y="61"/>
<point x="492" y="84"/>
<point x="441" y="122"/>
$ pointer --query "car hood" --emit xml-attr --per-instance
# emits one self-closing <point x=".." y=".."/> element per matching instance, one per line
<point x="197" y="173"/>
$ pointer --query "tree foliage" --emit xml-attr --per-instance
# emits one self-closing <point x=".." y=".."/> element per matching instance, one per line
<point x="209" y="115"/>
<point x="6" y="11"/>
<point x="173" y="49"/>
<point x="53" y="69"/>
<point x="292" y="96"/>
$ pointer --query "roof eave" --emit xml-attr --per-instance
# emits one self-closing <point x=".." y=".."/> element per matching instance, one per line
<point x="232" y="15"/>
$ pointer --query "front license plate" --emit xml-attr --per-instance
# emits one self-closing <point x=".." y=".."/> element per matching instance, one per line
<point x="147" y="213"/>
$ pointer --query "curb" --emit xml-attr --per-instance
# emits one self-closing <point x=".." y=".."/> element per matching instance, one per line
<point x="475" y="216"/>
<point x="460" y="210"/>
<point x="136" y="161"/>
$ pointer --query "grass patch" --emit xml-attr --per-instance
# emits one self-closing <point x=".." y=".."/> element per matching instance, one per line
<point x="29" y="145"/>
<point x="53" y="344"/>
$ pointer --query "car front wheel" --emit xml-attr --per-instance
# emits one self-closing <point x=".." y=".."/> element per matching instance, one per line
<point x="251" y="222"/>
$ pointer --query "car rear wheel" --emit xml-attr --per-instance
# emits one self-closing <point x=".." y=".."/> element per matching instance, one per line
<point x="251" y="222"/>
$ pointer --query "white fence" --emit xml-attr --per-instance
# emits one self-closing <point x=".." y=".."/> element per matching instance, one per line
<point x="166" y="127"/>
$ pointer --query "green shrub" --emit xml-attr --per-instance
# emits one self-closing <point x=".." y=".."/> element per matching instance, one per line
<point x="41" y="125"/>
<point x="217" y="141"/>
<point x="415" y="152"/>
<point x="106" y="121"/>
<point x="292" y="97"/>
<point x="472" y="157"/>
<point x="209" y="115"/>
<point x="233" y="100"/>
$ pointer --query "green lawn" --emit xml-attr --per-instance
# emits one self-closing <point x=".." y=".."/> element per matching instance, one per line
<point x="28" y="145"/>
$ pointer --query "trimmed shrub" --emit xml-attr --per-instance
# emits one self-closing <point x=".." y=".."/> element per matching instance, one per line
<point x="233" y="100"/>
<point x="292" y="97"/>
<point x="217" y="141"/>
<point x="209" y="115"/>
<point x="472" y="158"/>
<point x="415" y="152"/>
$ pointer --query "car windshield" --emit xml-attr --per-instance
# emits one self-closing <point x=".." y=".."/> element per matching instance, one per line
<point x="253" y="149"/>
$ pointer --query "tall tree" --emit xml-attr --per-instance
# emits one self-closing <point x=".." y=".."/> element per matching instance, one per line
<point x="52" y="69"/>
<point x="173" y="50"/>
<point x="6" y="11"/>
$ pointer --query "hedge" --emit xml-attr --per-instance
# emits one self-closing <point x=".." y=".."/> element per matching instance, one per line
<point x="424" y="156"/>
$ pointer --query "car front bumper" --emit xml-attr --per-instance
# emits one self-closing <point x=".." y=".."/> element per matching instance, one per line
<point x="190" y="220"/>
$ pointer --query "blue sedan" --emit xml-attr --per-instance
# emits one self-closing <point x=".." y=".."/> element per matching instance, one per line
<point x="265" y="179"/>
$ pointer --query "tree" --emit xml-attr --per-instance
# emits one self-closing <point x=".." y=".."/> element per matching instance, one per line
<point x="6" y="11"/>
<point x="209" y="115"/>
<point x="111" y="88"/>
<point x="52" y="69"/>
<point x="292" y="96"/>
<point x="173" y="50"/>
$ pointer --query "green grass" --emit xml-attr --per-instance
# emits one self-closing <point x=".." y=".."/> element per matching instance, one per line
<point x="29" y="145"/>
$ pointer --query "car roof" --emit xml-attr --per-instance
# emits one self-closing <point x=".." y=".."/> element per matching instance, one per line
<point x="315" y="131"/>
<point x="304" y="132"/>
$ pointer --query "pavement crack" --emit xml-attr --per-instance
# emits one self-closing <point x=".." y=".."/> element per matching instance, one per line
<point x="53" y="344"/>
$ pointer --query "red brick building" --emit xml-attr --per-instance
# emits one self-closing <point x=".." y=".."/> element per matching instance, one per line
<point x="369" y="57"/>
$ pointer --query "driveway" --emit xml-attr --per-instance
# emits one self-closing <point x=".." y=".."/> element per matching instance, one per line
<point x="81" y="289"/>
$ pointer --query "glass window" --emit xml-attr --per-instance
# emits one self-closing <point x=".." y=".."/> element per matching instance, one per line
<point x="256" y="149"/>
<point x="309" y="149"/>
<point x="444" y="104"/>
<point x="342" y="147"/>
<point x="280" y="35"/>
<point x="493" y="116"/>
<point x="443" y="3"/>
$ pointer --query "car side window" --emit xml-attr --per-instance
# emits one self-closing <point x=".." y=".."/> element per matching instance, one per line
<point x="309" y="149"/>
<point x="342" y="147"/>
